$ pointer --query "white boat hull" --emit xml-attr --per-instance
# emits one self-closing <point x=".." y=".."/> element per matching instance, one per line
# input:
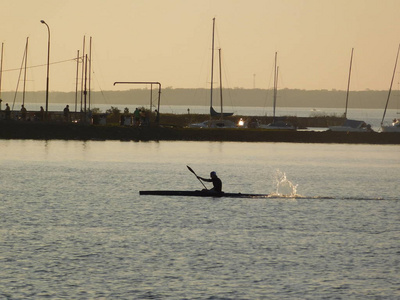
<point x="214" y="124"/>
<point x="279" y="125"/>
<point x="271" y="127"/>
<point x="390" y="128"/>
<point x="394" y="127"/>
<point x="348" y="129"/>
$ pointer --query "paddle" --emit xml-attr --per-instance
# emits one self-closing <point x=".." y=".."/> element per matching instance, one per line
<point x="190" y="169"/>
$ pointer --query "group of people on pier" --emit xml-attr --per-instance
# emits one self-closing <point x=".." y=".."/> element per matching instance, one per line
<point x="139" y="118"/>
<point x="23" y="114"/>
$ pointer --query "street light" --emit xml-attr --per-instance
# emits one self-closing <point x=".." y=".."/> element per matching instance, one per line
<point x="48" y="66"/>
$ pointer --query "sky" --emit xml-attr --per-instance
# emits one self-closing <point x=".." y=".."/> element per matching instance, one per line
<point x="169" y="41"/>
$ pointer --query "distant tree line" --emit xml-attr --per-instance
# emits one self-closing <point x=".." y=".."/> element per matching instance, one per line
<point x="231" y="97"/>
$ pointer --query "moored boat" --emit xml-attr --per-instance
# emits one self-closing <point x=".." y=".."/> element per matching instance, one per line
<point x="352" y="126"/>
<point x="214" y="124"/>
<point x="278" y="125"/>
<point x="221" y="123"/>
<point x="214" y="113"/>
<point x="395" y="127"/>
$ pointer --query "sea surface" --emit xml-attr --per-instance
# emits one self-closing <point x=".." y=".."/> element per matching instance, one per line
<point x="73" y="226"/>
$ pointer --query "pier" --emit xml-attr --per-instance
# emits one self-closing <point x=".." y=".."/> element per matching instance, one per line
<point x="76" y="131"/>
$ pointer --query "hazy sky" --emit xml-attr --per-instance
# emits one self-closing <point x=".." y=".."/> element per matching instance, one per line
<point x="170" y="41"/>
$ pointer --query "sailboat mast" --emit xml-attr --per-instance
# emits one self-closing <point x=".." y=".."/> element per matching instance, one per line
<point x="1" y="70"/>
<point x="90" y="69"/>
<point x="212" y="64"/>
<point x="25" y="63"/>
<point x="391" y="83"/>
<point x="348" y="83"/>
<point x="83" y="70"/>
<point x="76" y="81"/>
<point x="220" y="82"/>
<point x="85" y="86"/>
<point x="275" y="84"/>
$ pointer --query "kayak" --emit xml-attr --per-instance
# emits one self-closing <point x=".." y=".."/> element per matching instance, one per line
<point x="206" y="193"/>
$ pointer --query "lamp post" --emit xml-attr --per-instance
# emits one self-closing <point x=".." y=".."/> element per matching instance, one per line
<point x="48" y="66"/>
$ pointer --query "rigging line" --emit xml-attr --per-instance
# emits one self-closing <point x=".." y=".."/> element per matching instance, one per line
<point x="97" y="78"/>
<point x="227" y="87"/>
<point x="391" y="84"/>
<point x="19" y="78"/>
<point x="268" y="89"/>
<point x="98" y="83"/>
<point x="43" y="65"/>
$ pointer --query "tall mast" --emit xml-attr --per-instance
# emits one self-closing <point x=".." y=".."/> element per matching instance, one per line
<point x="83" y="71"/>
<point x="1" y="69"/>
<point x="90" y="68"/>
<point x="19" y="77"/>
<point x="348" y="84"/>
<point x="275" y="84"/>
<point x="212" y="64"/>
<point x="85" y="91"/>
<point x="391" y="83"/>
<point x="220" y="81"/>
<point x="77" y="80"/>
<point x="25" y="63"/>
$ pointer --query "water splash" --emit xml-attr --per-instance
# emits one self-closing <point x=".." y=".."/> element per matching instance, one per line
<point x="284" y="187"/>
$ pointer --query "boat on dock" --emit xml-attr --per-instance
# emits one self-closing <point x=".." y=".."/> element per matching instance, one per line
<point x="277" y="123"/>
<point x="395" y="126"/>
<point x="213" y="112"/>
<point x="214" y="124"/>
<point x="221" y="123"/>
<point x="350" y="125"/>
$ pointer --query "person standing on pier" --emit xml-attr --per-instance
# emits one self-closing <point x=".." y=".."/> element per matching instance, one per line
<point x="66" y="113"/>
<point x="41" y="113"/>
<point x="7" y="112"/>
<point x="136" y="117"/>
<point x="23" y="113"/>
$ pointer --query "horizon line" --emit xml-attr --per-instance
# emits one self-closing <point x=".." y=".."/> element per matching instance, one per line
<point x="176" y="88"/>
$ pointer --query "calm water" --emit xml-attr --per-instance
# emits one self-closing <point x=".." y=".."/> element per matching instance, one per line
<point x="72" y="225"/>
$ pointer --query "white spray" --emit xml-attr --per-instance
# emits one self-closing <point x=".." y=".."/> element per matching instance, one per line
<point x="284" y="187"/>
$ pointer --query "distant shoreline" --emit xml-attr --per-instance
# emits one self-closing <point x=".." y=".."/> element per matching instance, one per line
<point x="232" y="98"/>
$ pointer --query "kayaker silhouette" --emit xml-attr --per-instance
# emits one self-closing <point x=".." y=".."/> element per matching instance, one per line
<point x="217" y="183"/>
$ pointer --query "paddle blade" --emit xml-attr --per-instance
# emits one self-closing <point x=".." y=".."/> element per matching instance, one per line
<point x="190" y="169"/>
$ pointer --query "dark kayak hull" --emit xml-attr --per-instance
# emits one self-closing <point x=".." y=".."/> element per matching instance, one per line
<point x="202" y="194"/>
